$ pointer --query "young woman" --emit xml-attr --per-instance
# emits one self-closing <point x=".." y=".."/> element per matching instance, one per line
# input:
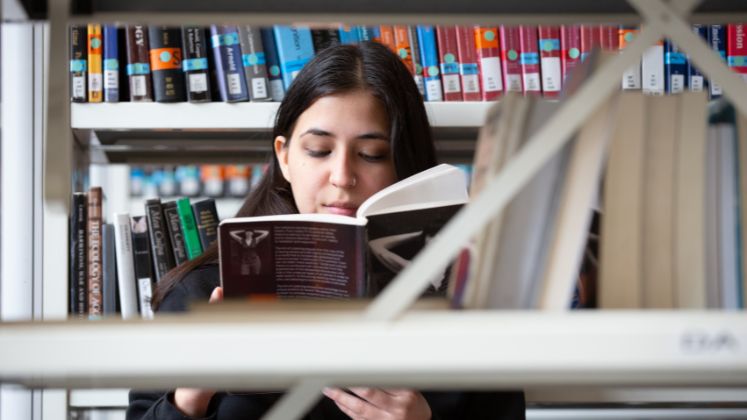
<point x="352" y="123"/>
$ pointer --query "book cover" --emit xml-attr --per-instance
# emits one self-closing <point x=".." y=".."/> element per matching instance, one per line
<point x="255" y="65"/>
<point x="429" y="59"/>
<point x="95" y="53"/>
<point x="78" y="256"/>
<point x="511" y="58"/>
<point x="652" y="70"/>
<point x="529" y="59"/>
<point x="325" y="37"/>
<point x="549" y="45"/>
<point x="206" y="220"/>
<point x="111" y="63"/>
<point x="166" y="63"/>
<point x="717" y="40"/>
<point x="295" y="49"/>
<point x="631" y="79"/>
<point x="229" y="70"/>
<point x="95" y="197"/>
<point x="487" y="49"/>
<point x="195" y="64"/>
<point x="736" y="48"/>
<point x="124" y="81"/>
<point x="368" y="33"/>
<point x="589" y="40"/>
<point x="675" y="68"/>
<point x="138" y="63"/>
<point x="189" y="228"/>
<point x="448" y="58"/>
<point x="696" y="80"/>
<point x="387" y="37"/>
<point x="142" y="264"/>
<point x="277" y="91"/>
<point x="469" y="67"/>
<point x="609" y="39"/>
<point x="320" y="256"/>
<point x="126" y="281"/>
<point x="349" y="35"/>
<point x="109" y="270"/>
<point x="417" y="58"/>
<point x="176" y="236"/>
<point x="78" y="63"/>
<point x="570" y="48"/>
<point x="160" y="243"/>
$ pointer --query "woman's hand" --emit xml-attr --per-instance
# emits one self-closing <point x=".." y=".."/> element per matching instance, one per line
<point x="374" y="403"/>
<point x="194" y="402"/>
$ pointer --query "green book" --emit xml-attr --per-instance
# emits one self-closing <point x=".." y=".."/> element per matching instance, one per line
<point x="191" y="237"/>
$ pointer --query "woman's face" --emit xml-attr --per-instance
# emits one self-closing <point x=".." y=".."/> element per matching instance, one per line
<point x="338" y="154"/>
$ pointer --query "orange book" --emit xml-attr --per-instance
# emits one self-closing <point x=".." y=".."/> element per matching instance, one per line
<point x="95" y="73"/>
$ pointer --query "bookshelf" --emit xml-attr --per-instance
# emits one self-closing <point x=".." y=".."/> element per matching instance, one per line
<point x="78" y="128"/>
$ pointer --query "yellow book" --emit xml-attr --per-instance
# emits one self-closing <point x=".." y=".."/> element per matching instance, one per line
<point x="95" y="74"/>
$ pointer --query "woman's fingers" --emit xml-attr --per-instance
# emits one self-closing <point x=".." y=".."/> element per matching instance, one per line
<point x="350" y="404"/>
<point x="217" y="295"/>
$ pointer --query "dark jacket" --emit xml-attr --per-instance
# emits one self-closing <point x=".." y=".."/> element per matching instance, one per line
<point x="198" y="285"/>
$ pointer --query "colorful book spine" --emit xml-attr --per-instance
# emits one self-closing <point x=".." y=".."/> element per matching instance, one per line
<point x="206" y="219"/>
<point x="78" y="256"/>
<point x="589" y="40"/>
<point x="111" y="64"/>
<point x="224" y="40"/>
<point x="529" y="58"/>
<point x="429" y="58"/>
<point x="128" y="300"/>
<point x="609" y="39"/>
<point x="736" y="48"/>
<point x="387" y="37"/>
<point x="717" y="40"/>
<point x="570" y="49"/>
<point x="511" y="56"/>
<point x="189" y="228"/>
<point x="652" y="70"/>
<point x="631" y="79"/>
<point x="402" y="47"/>
<point x="277" y="91"/>
<point x="95" y="54"/>
<point x="142" y="264"/>
<point x="78" y="63"/>
<point x="549" y="46"/>
<point x="160" y="244"/>
<point x="138" y="63"/>
<point x="325" y="37"/>
<point x="469" y="67"/>
<point x="417" y="59"/>
<point x="166" y="63"/>
<point x="487" y="49"/>
<point x="176" y="235"/>
<point x="675" y="68"/>
<point x="349" y="35"/>
<point x="295" y="49"/>
<point x="696" y="80"/>
<point x="195" y="64"/>
<point x="95" y="256"/>
<point x="255" y="65"/>
<point x="448" y="58"/>
<point x="369" y="33"/>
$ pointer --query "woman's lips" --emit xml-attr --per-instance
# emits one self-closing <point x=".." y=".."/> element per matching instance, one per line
<point x="341" y="209"/>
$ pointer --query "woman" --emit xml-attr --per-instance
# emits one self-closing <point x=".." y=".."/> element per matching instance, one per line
<point x="352" y="123"/>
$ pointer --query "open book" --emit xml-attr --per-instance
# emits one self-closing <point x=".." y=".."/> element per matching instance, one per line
<point x="325" y="256"/>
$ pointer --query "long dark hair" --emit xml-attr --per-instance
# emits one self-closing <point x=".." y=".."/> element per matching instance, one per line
<point x="367" y="66"/>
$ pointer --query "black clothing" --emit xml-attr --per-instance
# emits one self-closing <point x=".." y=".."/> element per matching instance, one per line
<point x="197" y="285"/>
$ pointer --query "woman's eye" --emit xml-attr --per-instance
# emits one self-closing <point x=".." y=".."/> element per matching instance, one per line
<point x="317" y="153"/>
<point x="373" y="157"/>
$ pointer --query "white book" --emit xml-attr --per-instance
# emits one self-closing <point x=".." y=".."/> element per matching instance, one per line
<point x="128" y="295"/>
<point x="652" y="70"/>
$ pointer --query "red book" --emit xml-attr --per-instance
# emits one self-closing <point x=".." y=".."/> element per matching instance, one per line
<point x="447" y="56"/>
<point x="549" y="47"/>
<point x="570" y="48"/>
<point x="510" y="54"/>
<point x="530" y="65"/>
<point x="469" y="69"/>
<point x="589" y="39"/>
<point x="488" y="49"/>
<point x="387" y="37"/>
<point x="736" y="48"/>
<point x="609" y="38"/>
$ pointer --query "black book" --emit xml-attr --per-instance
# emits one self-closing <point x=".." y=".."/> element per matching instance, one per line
<point x="109" y="270"/>
<point x="124" y="83"/>
<point x="195" y="64"/>
<point x="163" y="257"/>
<point x="138" y="63"/>
<point x="78" y="63"/>
<point x="78" y="256"/>
<point x="166" y="63"/>
<point x="206" y="218"/>
<point x="176" y="236"/>
<point x="323" y="38"/>
<point x="143" y="271"/>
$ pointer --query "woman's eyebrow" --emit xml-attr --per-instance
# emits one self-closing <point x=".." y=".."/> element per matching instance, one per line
<point x="374" y="135"/>
<point x="317" y="132"/>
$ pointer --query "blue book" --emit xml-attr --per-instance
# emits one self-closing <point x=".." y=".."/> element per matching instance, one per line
<point x="696" y="81"/>
<point x="229" y="67"/>
<point x="274" y="75"/>
<point x="349" y="35"/>
<point x="675" y="68"/>
<point x="429" y="59"/>
<point x="111" y="64"/>
<point x="717" y="40"/>
<point x="369" y="33"/>
<point x="295" y="48"/>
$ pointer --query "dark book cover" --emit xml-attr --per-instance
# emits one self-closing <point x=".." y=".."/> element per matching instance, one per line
<point x="78" y="63"/>
<point x="195" y="64"/>
<point x="124" y="81"/>
<point x="138" y="63"/>
<point x="166" y="63"/>
<point x="95" y="274"/>
<point x="224" y="40"/>
<point x="675" y="68"/>
<point x="176" y="236"/>
<point x="143" y="269"/>
<point x="325" y="37"/>
<point x="109" y="270"/>
<point x="255" y="65"/>
<point x="277" y="91"/>
<point x="78" y="256"/>
<point x="111" y="64"/>
<point x="206" y="218"/>
<point x="163" y="256"/>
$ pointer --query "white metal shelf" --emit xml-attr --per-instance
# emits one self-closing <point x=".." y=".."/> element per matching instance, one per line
<point x="98" y="398"/>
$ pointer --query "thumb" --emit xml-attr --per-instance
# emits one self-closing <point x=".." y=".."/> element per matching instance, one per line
<point x="217" y="295"/>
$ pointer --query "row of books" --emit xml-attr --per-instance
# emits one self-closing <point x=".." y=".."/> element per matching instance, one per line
<point x="194" y="180"/>
<point x="114" y="266"/>
<point x="451" y="63"/>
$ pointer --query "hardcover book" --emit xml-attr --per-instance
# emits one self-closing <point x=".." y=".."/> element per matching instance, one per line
<point x="95" y="197"/>
<point x="511" y="50"/>
<point x="549" y="45"/>
<point x="176" y="235"/>
<point x="717" y="39"/>
<point x="206" y="220"/>
<point x="138" y="63"/>
<point x="195" y="64"/>
<point x="95" y="52"/>
<point x="189" y="228"/>
<point x="111" y="63"/>
<point x="78" y="63"/>
<point x="488" y="50"/>
<point x="736" y="48"/>
<point x="325" y="37"/>
<point x="675" y="68"/>
<point x="469" y="69"/>
<point x="322" y="256"/>
<point x="387" y="37"/>
<point x="109" y="270"/>
<point x="253" y="59"/>
<point x="163" y="257"/>
<point x="631" y="79"/>
<point x="143" y="270"/>
<point x="529" y="58"/>
<point x="652" y="69"/>
<point x="429" y="60"/>
<point x="295" y="49"/>
<point x="277" y="91"/>
<point x="449" y="61"/>
<point x="228" y="65"/>
<point x="570" y="48"/>
<point x="166" y="63"/>
<point x="78" y="256"/>
<point x="126" y="282"/>
<point x="696" y="80"/>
